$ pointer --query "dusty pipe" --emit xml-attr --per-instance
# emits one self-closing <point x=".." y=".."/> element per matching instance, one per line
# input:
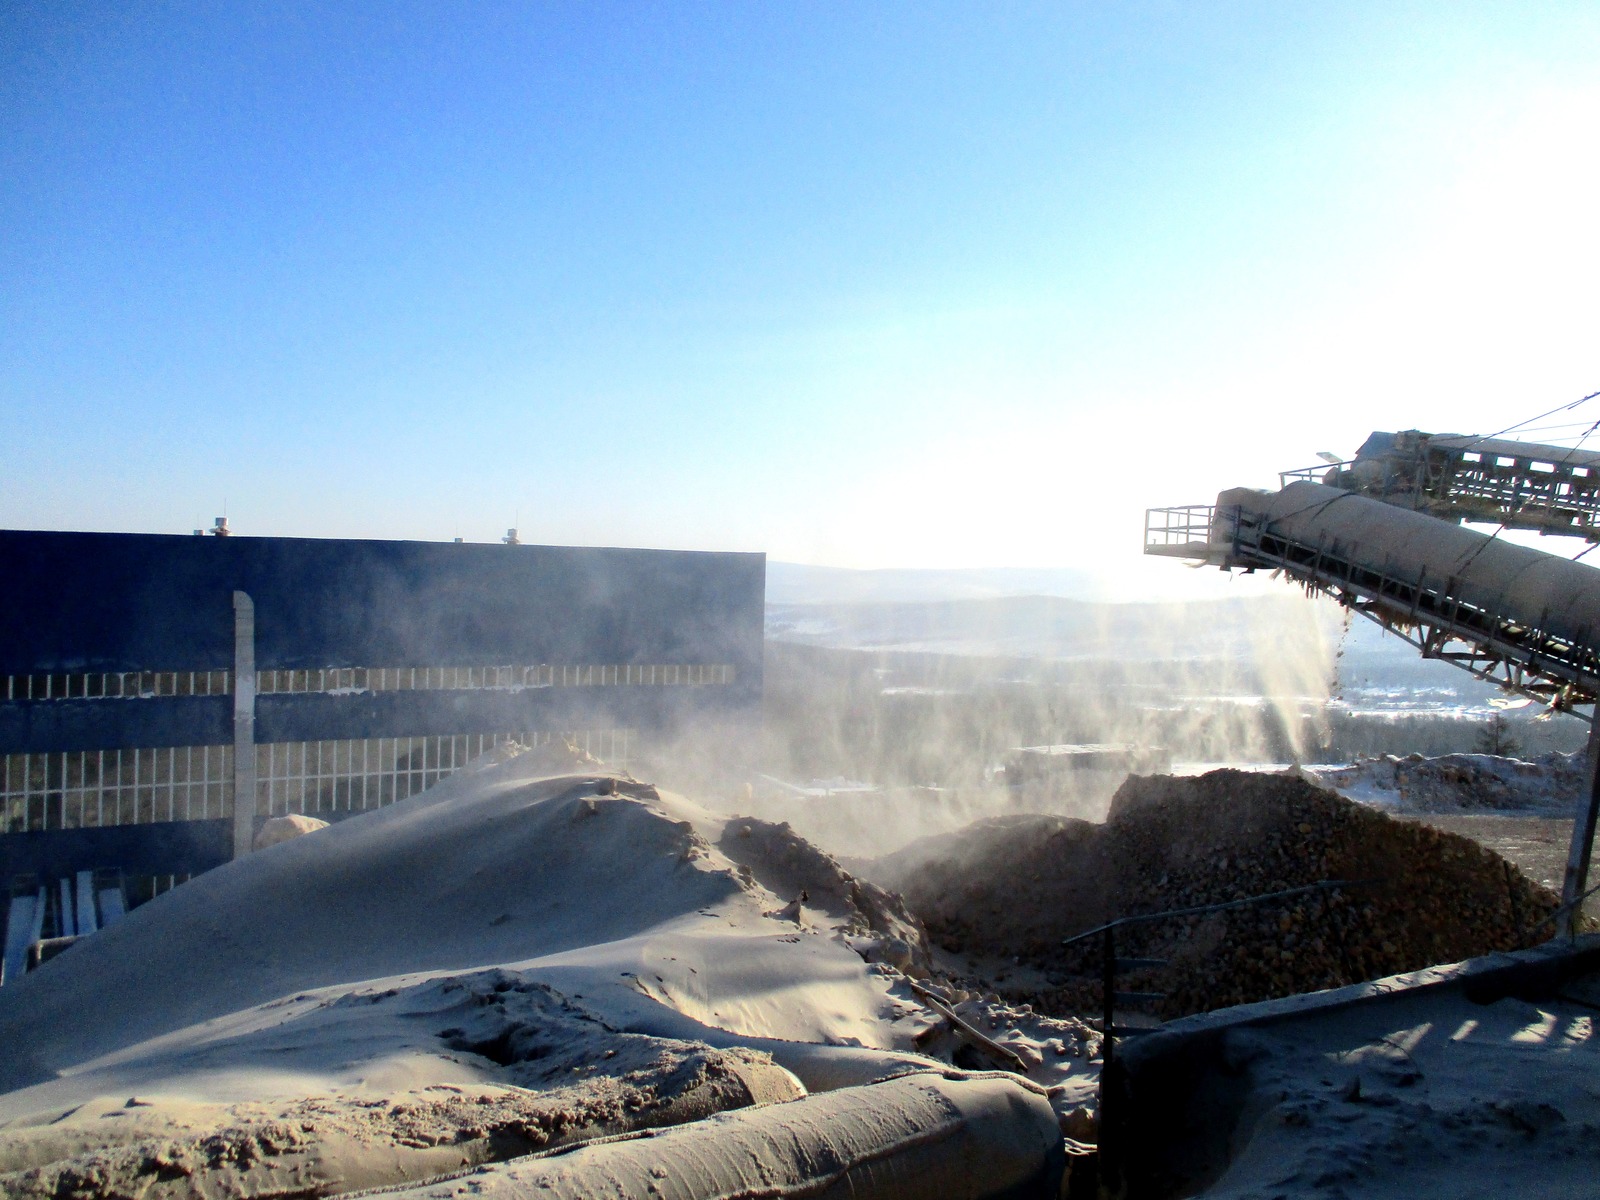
<point x="988" y="1137"/>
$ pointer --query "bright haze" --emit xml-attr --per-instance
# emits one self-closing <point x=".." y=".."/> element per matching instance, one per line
<point x="932" y="285"/>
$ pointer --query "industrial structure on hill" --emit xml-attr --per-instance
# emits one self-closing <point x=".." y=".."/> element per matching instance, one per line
<point x="160" y="696"/>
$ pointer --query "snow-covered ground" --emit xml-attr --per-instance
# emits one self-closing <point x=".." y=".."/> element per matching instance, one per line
<point x="1547" y="785"/>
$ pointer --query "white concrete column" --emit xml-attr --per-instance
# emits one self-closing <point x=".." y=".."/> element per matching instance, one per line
<point x="244" y="723"/>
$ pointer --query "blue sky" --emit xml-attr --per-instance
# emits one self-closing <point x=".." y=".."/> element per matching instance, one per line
<point x="863" y="285"/>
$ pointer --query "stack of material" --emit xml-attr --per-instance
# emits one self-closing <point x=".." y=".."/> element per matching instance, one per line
<point x="1017" y="889"/>
<point x="1551" y="783"/>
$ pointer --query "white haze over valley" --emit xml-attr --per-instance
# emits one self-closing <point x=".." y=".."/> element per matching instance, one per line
<point x="1307" y="648"/>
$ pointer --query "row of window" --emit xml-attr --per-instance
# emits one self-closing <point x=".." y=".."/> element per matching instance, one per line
<point x="82" y="789"/>
<point x="151" y="684"/>
<point x="405" y="679"/>
<point x="140" y="685"/>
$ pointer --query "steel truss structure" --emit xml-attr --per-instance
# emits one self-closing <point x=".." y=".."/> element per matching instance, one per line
<point x="1521" y="485"/>
<point x="1520" y="657"/>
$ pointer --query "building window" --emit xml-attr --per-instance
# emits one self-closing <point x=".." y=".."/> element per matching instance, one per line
<point x="87" y="789"/>
<point x="148" y="685"/>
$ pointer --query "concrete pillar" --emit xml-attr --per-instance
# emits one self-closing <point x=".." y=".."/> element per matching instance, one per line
<point x="244" y="723"/>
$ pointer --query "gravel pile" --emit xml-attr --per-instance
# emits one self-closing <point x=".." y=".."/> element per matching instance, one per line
<point x="1451" y="783"/>
<point x="1016" y="889"/>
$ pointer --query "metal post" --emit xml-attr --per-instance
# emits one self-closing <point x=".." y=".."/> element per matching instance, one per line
<point x="1110" y="1168"/>
<point x="244" y="724"/>
<point x="1108" y="984"/>
<point x="1583" y="824"/>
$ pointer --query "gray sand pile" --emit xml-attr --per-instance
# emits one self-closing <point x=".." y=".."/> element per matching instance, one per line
<point x="1017" y="888"/>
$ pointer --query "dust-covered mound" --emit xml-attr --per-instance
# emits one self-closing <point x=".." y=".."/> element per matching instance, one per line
<point x="504" y="963"/>
<point x="1551" y="783"/>
<point x="548" y="1073"/>
<point x="1017" y="889"/>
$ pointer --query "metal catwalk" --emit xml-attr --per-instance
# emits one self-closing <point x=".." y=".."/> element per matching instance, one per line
<point x="1521" y="485"/>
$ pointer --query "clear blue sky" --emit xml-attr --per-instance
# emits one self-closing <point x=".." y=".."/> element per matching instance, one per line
<point x="857" y="284"/>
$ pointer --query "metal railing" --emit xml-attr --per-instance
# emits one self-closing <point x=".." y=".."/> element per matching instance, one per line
<point x="1316" y="474"/>
<point x="1575" y="905"/>
<point x="91" y="789"/>
<point x="1186" y="528"/>
<point x="1111" y="965"/>
<point x="151" y="685"/>
<point x="1520" y="492"/>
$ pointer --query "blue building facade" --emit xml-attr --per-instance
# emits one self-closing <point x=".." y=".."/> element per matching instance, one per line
<point x="148" y="682"/>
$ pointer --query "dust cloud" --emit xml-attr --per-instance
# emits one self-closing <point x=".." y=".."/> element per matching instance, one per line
<point x="908" y="731"/>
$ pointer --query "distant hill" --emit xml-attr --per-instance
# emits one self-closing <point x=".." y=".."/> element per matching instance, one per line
<point x="794" y="583"/>
<point x="1052" y="627"/>
<point x="1053" y="615"/>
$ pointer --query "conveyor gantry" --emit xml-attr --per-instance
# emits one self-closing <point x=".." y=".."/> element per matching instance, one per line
<point x="1527" y="620"/>
<point x="1524" y="619"/>
<point x="1521" y="485"/>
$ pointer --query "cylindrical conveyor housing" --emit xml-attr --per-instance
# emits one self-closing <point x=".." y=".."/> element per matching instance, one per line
<point x="1546" y="591"/>
<point x="916" y="1136"/>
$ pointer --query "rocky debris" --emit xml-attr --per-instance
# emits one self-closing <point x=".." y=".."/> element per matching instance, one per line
<point x="1463" y="782"/>
<point x="878" y="923"/>
<point x="1016" y="890"/>
<point x="980" y="1031"/>
<point x="563" y="1075"/>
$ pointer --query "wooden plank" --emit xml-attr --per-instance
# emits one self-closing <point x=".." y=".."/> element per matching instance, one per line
<point x="113" y="906"/>
<point x="65" y="925"/>
<point x="38" y="917"/>
<point x="86" y="922"/>
<point x="19" y="932"/>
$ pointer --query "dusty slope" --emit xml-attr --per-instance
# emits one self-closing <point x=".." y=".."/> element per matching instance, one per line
<point x="506" y="962"/>
<point x="448" y="1072"/>
<point x="478" y="872"/>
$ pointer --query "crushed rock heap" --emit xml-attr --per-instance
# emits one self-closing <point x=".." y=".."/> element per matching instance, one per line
<point x="1017" y="887"/>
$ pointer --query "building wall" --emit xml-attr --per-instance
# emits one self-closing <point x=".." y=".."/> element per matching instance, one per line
<point x="381" y="667"/>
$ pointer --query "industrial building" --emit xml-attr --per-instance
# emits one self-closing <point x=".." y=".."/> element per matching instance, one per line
<point x="148" y="683"/>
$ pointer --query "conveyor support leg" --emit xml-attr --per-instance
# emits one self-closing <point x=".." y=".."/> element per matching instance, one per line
<point x="1583" y="823"/>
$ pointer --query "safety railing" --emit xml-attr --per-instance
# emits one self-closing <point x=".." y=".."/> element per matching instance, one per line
<point x="151" y="685"/>
<point x="1317" y="474"/>
<point x="1184" y="531"/>
<point x="91" y="789"/>
<point x="1112" y="966"/>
